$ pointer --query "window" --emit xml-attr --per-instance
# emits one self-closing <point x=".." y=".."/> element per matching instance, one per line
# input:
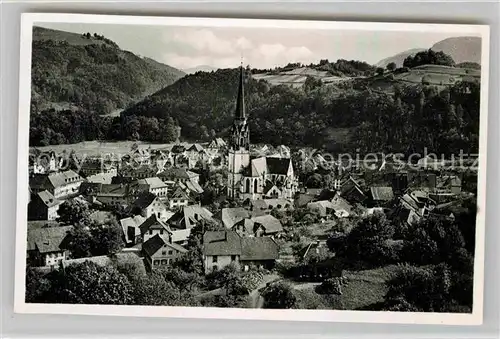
<point x="163" y="262"/>
<point x="150" y="232"/>
<point x="161" y="231"/>
<point x="233" y="258"/>
<point x="247" y="186"/>
<point x="163" y="252"/>
<point x="170" y="252"/>
<point x="214" y="268"/>
<point x="168" y="261"/>
<point x="156" y="262"/>
<point x="214" y="258"/>
<point x="255" y="185"/>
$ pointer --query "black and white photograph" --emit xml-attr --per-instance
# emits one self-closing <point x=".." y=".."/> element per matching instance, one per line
<point x="252" y="169"/>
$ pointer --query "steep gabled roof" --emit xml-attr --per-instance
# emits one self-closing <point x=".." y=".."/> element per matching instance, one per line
<point x="270" y="223"/>
<point x="259" y="248"/>
<point x="152" y="245"/>
<point x="63" y="178"/>
<point x="144" y="200"/>
<point x="195" y="148"/>
<point x="134" y="222"/>
<point x="153" y="182"/>
<point x="152" y="223"/>
<point x="178" y="193"/>
<point x="190" y="215"/>
<point x="221" y="243"/>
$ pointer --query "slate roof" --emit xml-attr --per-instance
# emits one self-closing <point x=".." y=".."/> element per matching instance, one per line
<point x="144" y="200"/>
<point x="49" y="239"/>
<point x="194" y="187"/>
<point x="178" y="148"/>
<point x="221" y="243"/>
<point x="180" y="235"/>
<point x="152" y="223"/>
<point x="339" y="204"/>
<point x="48" y="199"/>
<point x="277" y="165"/>
<point x="230" y="216"/>
<point x="303" y="199"/>
<point x="152" y="245"/>
<point x="269" y="185"/>
<point x="259" y="248"/>
<point x="270" y="223"/>
<point x="101" y="178"/>
<point x="382" y="193"/>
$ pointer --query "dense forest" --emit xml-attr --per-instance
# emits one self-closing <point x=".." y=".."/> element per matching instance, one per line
<point x="90" y="72"/>
<point x="413" y="117"/>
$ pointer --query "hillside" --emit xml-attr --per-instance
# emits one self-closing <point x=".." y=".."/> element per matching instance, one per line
<point x="461" y="49"/>
<point x="91" y="72"/>
<point x="339" y="117"/>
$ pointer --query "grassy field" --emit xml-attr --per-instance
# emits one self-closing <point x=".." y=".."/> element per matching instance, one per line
<point x="364" y="288"/>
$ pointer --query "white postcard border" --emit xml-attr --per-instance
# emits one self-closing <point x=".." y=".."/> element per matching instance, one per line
<point x="20" y="306"/>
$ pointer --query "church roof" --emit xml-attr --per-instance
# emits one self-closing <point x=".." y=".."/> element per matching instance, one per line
<point x="240" y="112"/>
<point x="277" y="165"/>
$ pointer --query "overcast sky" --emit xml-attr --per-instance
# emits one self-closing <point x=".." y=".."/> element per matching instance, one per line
<point x="187" y="47"/>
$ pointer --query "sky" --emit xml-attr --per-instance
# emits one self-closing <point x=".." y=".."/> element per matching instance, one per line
<point x="222" y="47"/>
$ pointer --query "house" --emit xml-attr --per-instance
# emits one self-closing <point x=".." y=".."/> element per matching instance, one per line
<point x="177" y="197"/>
<point x="381" y="194"/>
<point x="341" y="207"/>
<point x="133" y="171"/>
<point x="152" y="226"/>
<point x="131" y="230"/>
<point x="321" y="207"/>
<point x="48" y="246"/>
<point x="266" y="225"/>
<point x="217" y="144"/>
<point x="102" y="178"/>
<point x="180" y="237"/>
<point x="221" y="248"/>
<point x="302" y="199"/>
<point x="112" y="194"/>
<point x="191" y="187"/>
<point x="60" y="184"/>
<point x="140" y="155"/>
<point x="270" y="204"/>
<point x="92" y="166"/>
<point x="351" y="191"/>
<point x="156" y="186"/>
<point x="231" y="216"/>
<point x="179" y="175"/>
<point x="148" y="204"/>
<point x="43" y="206"/>
<point x="449" y="184"/>
<point x="422" y="180"/>
<point x="188" y="216"/>
<point x="160" y="253"/>
<point x="163" y="159"/>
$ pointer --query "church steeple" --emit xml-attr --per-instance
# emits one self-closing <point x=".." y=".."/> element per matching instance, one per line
<point x="240" y="133"/>
<point x="240" y="112"/>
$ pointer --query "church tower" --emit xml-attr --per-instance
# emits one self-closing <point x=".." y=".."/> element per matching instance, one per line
<point x="239" y="144"/>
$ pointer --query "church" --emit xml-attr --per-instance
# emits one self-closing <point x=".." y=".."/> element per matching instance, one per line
<point x="255" y="178"/>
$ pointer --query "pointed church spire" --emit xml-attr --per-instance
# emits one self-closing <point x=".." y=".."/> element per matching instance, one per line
<point x="240" y="103"/>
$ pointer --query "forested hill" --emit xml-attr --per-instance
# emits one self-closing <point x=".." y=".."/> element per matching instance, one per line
<point x="90" y="72"/>
<point x="408" y="116"/>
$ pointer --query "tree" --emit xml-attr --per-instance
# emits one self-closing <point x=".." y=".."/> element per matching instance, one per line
<point x="154" y="290"/>
<point x="279" y="296"/>
<point x="89" y="283"/>
<point x="428" y="57"/>
<point x="81" y="242"/>
<point x="37" y="285"/>
<point x="222" y="277"/>
<point x="106" y="239"/>
<point x="379" y="71"/>
<point x="391" y="66"/>
<point x="73" y="212"/>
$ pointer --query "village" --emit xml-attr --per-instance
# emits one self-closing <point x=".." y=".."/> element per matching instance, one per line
<point x="265" y="211"/>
